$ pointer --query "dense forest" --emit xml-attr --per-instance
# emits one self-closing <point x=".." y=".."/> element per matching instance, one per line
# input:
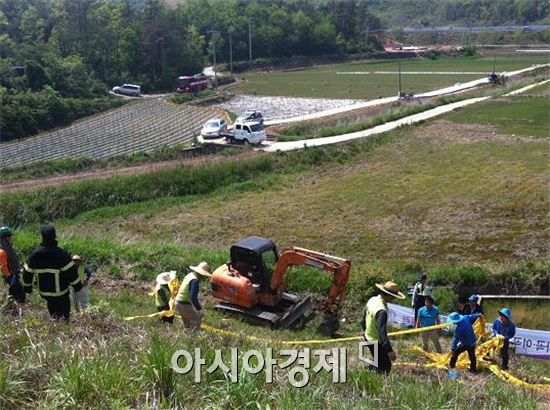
<point x="58" y="57"/>
<point x="399" y="13"/>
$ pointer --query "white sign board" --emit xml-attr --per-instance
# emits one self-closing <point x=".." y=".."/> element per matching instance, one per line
<point x="534" y="343"/>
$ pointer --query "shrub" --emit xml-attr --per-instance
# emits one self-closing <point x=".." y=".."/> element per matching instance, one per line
<point x="466" y="276"/>
<point x="226" y="79"/>
<point x="240" y="66"/>
<point x="468" y="51"/>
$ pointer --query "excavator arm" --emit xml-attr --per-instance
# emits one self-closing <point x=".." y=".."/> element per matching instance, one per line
<point x="294" y="256"/>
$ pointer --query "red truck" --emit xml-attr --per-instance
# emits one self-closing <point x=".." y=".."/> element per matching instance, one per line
<point x="192" y="83"/>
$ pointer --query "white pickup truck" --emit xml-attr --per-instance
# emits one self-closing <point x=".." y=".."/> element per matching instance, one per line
<point x="245" y="132"/>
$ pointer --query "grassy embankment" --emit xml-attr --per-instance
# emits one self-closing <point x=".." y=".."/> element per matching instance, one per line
<point x="188" y="97"/>
<point x="466" y="203"/>
<point x="101" y="361"/>
<point x="437" y="202"/>
<point x="75" y="165"/>
<point x="324" y="82"/>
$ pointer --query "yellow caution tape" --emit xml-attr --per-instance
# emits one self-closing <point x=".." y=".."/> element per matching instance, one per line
<point x="420" y="329"/>
<point x="484" y="352"/>
<point x="213" y="329"/>
<point x="319" y="341"/>
<point x="485" y="355"/>
<point x="163" y="313"/>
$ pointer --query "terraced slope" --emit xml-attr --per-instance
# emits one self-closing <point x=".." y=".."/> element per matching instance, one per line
<point x="143" y="126"/>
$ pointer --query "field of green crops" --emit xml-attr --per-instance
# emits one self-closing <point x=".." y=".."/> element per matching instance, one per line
<point x="330" y="81"/>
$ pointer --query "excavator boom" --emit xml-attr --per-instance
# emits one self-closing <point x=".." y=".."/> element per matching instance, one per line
<point x="295" y="256"/>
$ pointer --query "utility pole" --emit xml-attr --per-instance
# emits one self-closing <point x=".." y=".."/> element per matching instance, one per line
<point x="215" y="70"/>
<point x="367" y="32"/>
<point x="249" y="39"/>
<point x="399" y="70"/>
<point x="230" y="50"/>
<point x="213" y="39"/>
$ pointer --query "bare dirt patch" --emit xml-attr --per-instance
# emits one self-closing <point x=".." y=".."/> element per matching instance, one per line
<point x="110" y="284"/>
<point x="448" y="131"/>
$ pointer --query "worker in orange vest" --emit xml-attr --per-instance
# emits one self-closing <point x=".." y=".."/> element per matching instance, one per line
<point x="10" y="265"/>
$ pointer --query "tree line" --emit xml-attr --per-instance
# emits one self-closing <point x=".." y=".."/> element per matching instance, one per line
<point x="399" y="13"/>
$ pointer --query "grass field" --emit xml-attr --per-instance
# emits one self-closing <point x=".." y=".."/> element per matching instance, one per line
<point x="541" y="90"/>
<point x="518" y="115"/>
<point x="423" y="197"/>
<point x="324" y="82"/>
<point x="466" y="202"/>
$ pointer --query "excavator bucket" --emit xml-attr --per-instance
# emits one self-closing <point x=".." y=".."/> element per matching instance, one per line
<point x="284" y="315"/>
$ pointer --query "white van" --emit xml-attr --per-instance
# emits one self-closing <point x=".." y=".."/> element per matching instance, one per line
<point x="249" y="132"/>
<point x="128" y="89"/>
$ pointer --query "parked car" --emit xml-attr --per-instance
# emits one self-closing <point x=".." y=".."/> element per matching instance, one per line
<point x="251" y="115"/>
<point x="213" y="128"/>
<point x="250" y="132"/>
<point x="128" y="89"/>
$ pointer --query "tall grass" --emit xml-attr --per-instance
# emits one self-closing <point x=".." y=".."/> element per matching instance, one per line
<point x="98" y="363"/>
<point x="14" y="392"/>
<point x="157" y="370"/>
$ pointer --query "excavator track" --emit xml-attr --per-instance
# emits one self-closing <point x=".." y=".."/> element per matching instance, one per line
<point x="291" y="308"/>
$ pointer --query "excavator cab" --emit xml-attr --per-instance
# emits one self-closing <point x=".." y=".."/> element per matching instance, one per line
<point x="255" y="258"/>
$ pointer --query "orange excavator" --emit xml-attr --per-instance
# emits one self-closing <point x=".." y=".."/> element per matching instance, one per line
<point x="254" y="283"/>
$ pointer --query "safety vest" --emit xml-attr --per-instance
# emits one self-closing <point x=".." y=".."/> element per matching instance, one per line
<point x="49" y="280"/>
<point x="374" y="305"/>
<point x="183" y="294"/>
<point x="423" y="290"/>
<point x="158" y="299"/>
<point x="4" y="269"/>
